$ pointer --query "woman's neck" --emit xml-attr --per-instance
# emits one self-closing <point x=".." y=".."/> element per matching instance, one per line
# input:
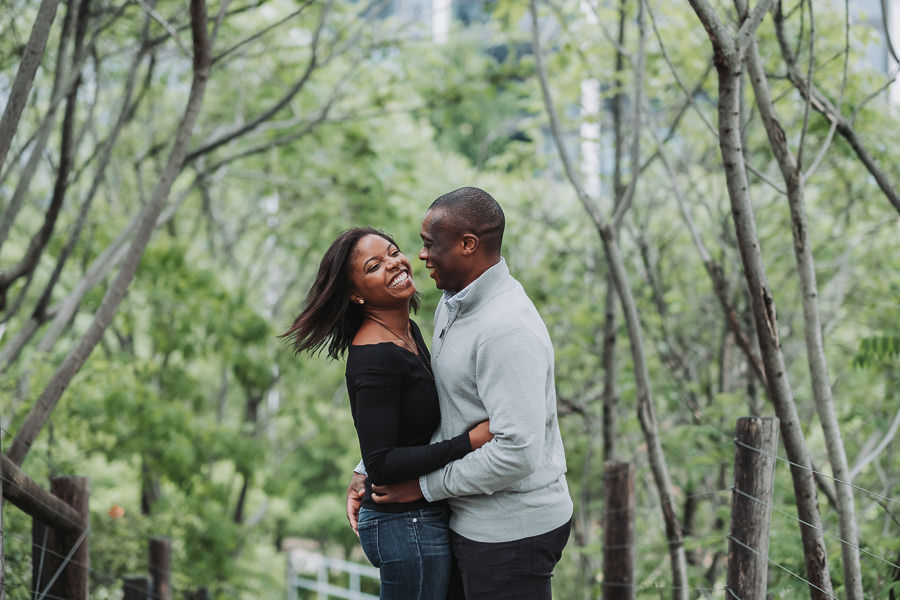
<point x="395" y="319"/>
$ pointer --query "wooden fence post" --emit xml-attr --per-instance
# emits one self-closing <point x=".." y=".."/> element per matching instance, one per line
<point x="200" y="593"/>
<point x="618" y="531"/>
<point x="751" y="507"/>
<point x="160" y="567"/>
<point x="136" y="587"/>
<point x="52" y="548"/>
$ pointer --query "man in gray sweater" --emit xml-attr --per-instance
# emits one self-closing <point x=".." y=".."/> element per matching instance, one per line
<point x="492" y="359"/>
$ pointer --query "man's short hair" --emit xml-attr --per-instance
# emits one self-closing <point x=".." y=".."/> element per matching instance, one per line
<point x="473" y="210"/>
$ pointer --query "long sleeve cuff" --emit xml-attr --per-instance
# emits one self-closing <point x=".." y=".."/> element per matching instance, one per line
<point x="423" y="485"/>
<point x="360" y="468"/>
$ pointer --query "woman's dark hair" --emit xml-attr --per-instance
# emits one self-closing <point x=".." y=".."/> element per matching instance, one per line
<point x="328" y="315"/>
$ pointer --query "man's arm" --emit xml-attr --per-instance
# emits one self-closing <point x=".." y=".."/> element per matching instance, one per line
<point x="410" y="490"/>
<point x="512" y="371"/>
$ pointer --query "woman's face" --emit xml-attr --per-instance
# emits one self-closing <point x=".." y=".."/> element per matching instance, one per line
<point x="380" y="274"/>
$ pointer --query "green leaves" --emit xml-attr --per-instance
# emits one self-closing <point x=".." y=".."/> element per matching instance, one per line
<point x="876" y="349"/>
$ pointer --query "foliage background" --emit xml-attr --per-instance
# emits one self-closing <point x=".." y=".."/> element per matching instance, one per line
<point x="197" y="420"/>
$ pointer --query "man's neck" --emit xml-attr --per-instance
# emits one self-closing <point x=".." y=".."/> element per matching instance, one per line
<point x="479" y="270"/>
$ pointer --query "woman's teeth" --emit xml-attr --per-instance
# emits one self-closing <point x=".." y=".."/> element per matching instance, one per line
<point x="399" y="280"/>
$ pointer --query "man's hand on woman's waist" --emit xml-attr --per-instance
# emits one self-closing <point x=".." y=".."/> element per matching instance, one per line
<point x="405" y="491"/>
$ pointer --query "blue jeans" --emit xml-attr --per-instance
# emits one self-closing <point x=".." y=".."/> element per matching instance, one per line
<point x="411" y="550"/>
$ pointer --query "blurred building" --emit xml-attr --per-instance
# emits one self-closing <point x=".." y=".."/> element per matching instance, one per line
<point x="883" y="16"/>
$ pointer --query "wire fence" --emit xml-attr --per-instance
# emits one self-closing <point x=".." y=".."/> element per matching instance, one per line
<point x="721" y="542"/>
<point x="717" y="543"/>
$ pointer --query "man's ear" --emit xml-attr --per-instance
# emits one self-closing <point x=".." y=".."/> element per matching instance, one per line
<point x="469" y="243"/>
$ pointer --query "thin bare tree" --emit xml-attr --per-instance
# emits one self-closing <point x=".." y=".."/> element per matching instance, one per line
<point x="795" y="180"/>
<point x="77" y="12"/>
<point x="40" y="412"/>
<point x="645" y="404"/>
<point x="34" y="51"/>
<point x="729" y="52"/>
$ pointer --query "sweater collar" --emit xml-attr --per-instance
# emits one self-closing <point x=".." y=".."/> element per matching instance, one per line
<point x="478" y="289"/>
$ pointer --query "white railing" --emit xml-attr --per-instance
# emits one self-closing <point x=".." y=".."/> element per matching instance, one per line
<point x="301" y="565"/>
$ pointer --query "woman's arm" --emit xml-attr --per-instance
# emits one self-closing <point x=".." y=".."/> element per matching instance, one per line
<point x="378" y="405"/>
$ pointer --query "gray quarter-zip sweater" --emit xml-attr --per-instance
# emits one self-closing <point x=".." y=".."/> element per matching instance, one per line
<point x="493" y="359"/>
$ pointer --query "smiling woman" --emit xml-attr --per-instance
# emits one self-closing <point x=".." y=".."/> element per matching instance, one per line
<point x="330" y="316"/>
<point x="381" y="274"/>
<point x="360" y="304"/>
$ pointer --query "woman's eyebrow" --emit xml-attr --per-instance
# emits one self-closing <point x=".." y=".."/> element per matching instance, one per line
<point x="366" y="264"/>
<point x="389" y="249"/>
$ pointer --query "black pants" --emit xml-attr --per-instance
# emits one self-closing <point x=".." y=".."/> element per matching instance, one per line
<point x="517" y="570"/>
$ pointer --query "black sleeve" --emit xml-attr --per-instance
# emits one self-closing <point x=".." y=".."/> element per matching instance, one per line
<point x="377" y="425"/>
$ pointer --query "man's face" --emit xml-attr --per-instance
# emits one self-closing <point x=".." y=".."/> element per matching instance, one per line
<point x="442" y="252"/>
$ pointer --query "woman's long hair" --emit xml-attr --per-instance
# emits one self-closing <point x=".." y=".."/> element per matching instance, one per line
<point x="329" y="316"/>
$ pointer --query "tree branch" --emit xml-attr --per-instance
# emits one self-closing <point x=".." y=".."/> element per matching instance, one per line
<point x="267" y="114"/>
<point x="833" y="114"/>
<point x="51" y="394"/>
<point x="21" y="87"/>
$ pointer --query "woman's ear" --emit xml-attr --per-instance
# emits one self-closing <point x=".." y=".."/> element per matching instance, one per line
<point x="356" y="298"/>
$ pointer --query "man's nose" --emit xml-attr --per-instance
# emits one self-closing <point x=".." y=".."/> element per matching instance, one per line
<point x="423" y="254"/>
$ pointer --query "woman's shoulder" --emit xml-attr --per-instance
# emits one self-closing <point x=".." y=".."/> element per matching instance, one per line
<point x="377" y="357"/>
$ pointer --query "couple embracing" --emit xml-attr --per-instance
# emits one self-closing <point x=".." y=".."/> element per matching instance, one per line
<point x="461" y="491"/>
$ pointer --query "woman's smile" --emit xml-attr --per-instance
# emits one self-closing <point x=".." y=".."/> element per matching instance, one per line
<point x="401" y="279"/>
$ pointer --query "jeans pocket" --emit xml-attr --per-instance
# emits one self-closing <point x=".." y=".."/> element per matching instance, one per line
<point x="543" y="560"/>
<point x="368" y="537"/>
<point x="433" y="531"/>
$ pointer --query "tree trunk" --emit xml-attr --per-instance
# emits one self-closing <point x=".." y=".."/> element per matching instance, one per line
<point x="34" y="51"/>
<point x="728" y="57"/>
<point x="2" y="530"/>
<point x="26" y="266"/>
<point x="610" y="394"/>
<point x="815" y="350"/>
<point x="608" y="357"/>
<point x="39" y="414"/>
<point x="125" y="114"/>
<point x="11" y="210"/>
<point x="645" y="408"/>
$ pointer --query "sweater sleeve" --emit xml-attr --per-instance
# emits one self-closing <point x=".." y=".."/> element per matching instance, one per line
<point x="378" y="405"/>
<point x="512" y="371"/>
